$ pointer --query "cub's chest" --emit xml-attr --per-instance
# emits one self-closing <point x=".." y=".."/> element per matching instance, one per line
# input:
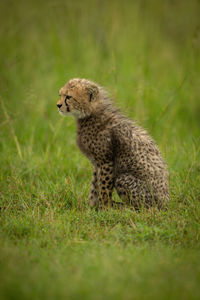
<point x="87" y="139"/>
<point x="94" y="143"/>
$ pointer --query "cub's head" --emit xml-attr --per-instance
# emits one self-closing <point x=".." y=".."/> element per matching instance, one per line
<point x="79" y="97"/>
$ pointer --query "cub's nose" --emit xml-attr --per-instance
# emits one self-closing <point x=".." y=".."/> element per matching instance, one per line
<point x="59" y="105"/>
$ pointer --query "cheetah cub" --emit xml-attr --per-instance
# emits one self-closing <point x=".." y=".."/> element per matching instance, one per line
<point x="123" y="155"/>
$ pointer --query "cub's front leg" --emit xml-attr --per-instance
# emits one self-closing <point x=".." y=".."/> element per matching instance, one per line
<point x="93" y="195"/>
<point x="105" y="177"/>
<point x="102" y="186"/>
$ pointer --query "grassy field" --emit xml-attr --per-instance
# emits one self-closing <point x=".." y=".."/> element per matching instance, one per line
<point x="52" y="245"/>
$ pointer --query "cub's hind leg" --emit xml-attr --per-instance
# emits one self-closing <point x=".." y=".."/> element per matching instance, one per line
<point x="134" y="191"/>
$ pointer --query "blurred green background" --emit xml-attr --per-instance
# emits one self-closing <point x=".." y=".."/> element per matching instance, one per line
<point x="147" y="55"/>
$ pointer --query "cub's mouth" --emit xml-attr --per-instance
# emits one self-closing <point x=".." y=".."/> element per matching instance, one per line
<point x="63" y="112"/>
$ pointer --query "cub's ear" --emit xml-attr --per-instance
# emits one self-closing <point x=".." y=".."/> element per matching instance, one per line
<point x="93" y="92"/>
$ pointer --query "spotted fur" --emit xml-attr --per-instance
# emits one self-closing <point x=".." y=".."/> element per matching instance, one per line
<point x="124" y="156"/>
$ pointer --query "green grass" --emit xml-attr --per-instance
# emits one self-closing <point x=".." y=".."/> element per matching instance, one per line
<point x="52" y="245"/>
